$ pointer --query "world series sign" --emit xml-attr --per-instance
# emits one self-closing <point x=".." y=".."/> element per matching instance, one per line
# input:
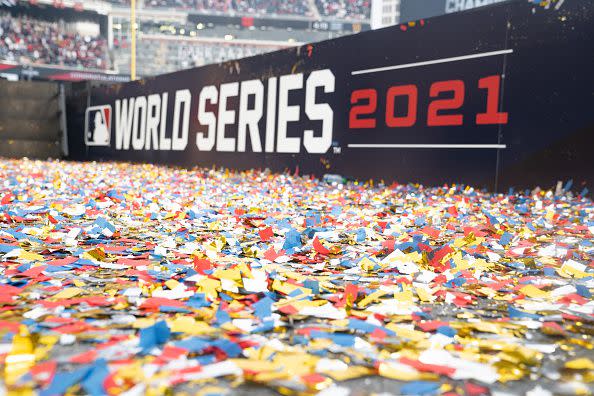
<point x="481" y="97"/>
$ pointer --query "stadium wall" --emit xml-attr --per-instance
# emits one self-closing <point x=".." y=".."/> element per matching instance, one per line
<point x="412" y="10"/>
<point x="498" y="96"/>
<point x="31" y="123"/>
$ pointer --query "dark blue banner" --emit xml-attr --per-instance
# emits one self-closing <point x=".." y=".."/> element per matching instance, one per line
<point x="498" y="96"/>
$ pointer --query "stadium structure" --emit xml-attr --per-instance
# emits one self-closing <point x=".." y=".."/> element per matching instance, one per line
<point x="90" y="40"/>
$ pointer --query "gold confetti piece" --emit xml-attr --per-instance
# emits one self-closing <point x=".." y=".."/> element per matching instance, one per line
<point x="172" y="284"/>
<point x="509" y="371"/>
<point x="424" y="295"/>
<point x="256" y="365"/>
<point x="404" y="332"/>
<point x="405" y="296"/>
<point x="402" y="372"/>
<point x="212" y="390"/>
<point x="25" y="255"/>
<point x="288" y="288"/>
<point x="534" y="292"/>
<point x="580" y="364"/>
<point x="67" y="293"/>
<point x="20" y="359"/>
<point x="376" y="295"/>
<point x="189" y="325"/>
<point x="210" y="287"/>
<point x="366" y="264"/>
<point x="141" y="323"/>
<point x="572" y="269"/>
<point x="95" y="254"/>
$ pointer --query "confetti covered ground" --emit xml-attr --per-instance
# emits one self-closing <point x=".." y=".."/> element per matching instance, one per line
<point x="137" y="279"/>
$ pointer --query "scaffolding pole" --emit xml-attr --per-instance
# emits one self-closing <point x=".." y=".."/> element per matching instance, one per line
<point x="133" y="40"/>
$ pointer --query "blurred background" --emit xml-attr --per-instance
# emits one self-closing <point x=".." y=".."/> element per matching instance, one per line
<point x="48" y="39"/>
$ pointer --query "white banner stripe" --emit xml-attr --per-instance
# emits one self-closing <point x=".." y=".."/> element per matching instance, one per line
<point x="430" y="146"/>
<point x="432" y="62"/>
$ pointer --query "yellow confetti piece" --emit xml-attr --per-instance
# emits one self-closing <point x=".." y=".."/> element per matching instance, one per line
<point x="172" y="284"/>
<point x="67" y="293"/>
<point x="20" y="359"/>
<point x="141" y="323"/>
<point x="233" y="274"/>
<point x="580" y="364"/>
<point x="288" y="288"/>
<point x="401" y="372"/>
<point x="351" y="373"/>
<point x="572" y="269"/>
<point x="423" y="294"/>
<point x="534" y="292"/>
<point x="256" y="365"/>
<point x="210" y="287"/>
<point x="25" y="255"/>
<point x="376" y="295"/>
<point x="404" y="332"/>
<point x="366" y="264"/>
<point x="405" y="296"/>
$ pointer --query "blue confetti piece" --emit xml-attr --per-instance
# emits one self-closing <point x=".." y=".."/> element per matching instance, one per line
<point x="292" y="240"/>
<point x="93" y="382"/>
<point x="263" y="308"/>
<point x="164" y="308"/>
<point x="583" y="291"/>
<point x="193" y="344"/>
<point x="420" y="388"/>
<point x="568" y="185"/>
<point x="264" y="327"/>
<point x="360" y="235"/>
<point x="154" y="335"/>
<point x="515" y="313"/>
<point x="356" y="324"/>
<point x="7" y="248"/>
<point x="346" y="340"/>
<point x="312" y="285"/>
<point x="222" y="317"/>
<point x="23" y="267"/>
<point x="548" y="271"/>
<point x="206" y="359"/>
<point x="64" y="380"/>
<point x="198" y="300"/>
<point x="230" y="348"/>
<point x="447" y="331"/>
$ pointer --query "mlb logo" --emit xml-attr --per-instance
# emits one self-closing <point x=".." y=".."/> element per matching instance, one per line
<point x="98" y="126"/>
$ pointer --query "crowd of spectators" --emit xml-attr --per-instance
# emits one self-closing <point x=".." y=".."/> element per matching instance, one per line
<point x="27" y="40"/>
<point x="269" y="7"/>
<point x="340" y="9"/>
<point x="345" y="9"/>
<point x="279" y="7"/>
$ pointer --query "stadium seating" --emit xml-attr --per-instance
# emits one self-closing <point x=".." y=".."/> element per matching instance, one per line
<point x="28" y="40"/>
<point x="334" y="9"/>
<point x="157" y="56"/>
<point x="268" y="7"/>
<point x="345" y="9"/>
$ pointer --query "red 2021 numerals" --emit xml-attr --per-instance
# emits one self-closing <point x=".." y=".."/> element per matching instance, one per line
<point x="370" y="95"/>
<point x="454" y="103"/>
<point x="493" y="85"/>
<point x="445" y="96"/>
<point x="410" y="118"/>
